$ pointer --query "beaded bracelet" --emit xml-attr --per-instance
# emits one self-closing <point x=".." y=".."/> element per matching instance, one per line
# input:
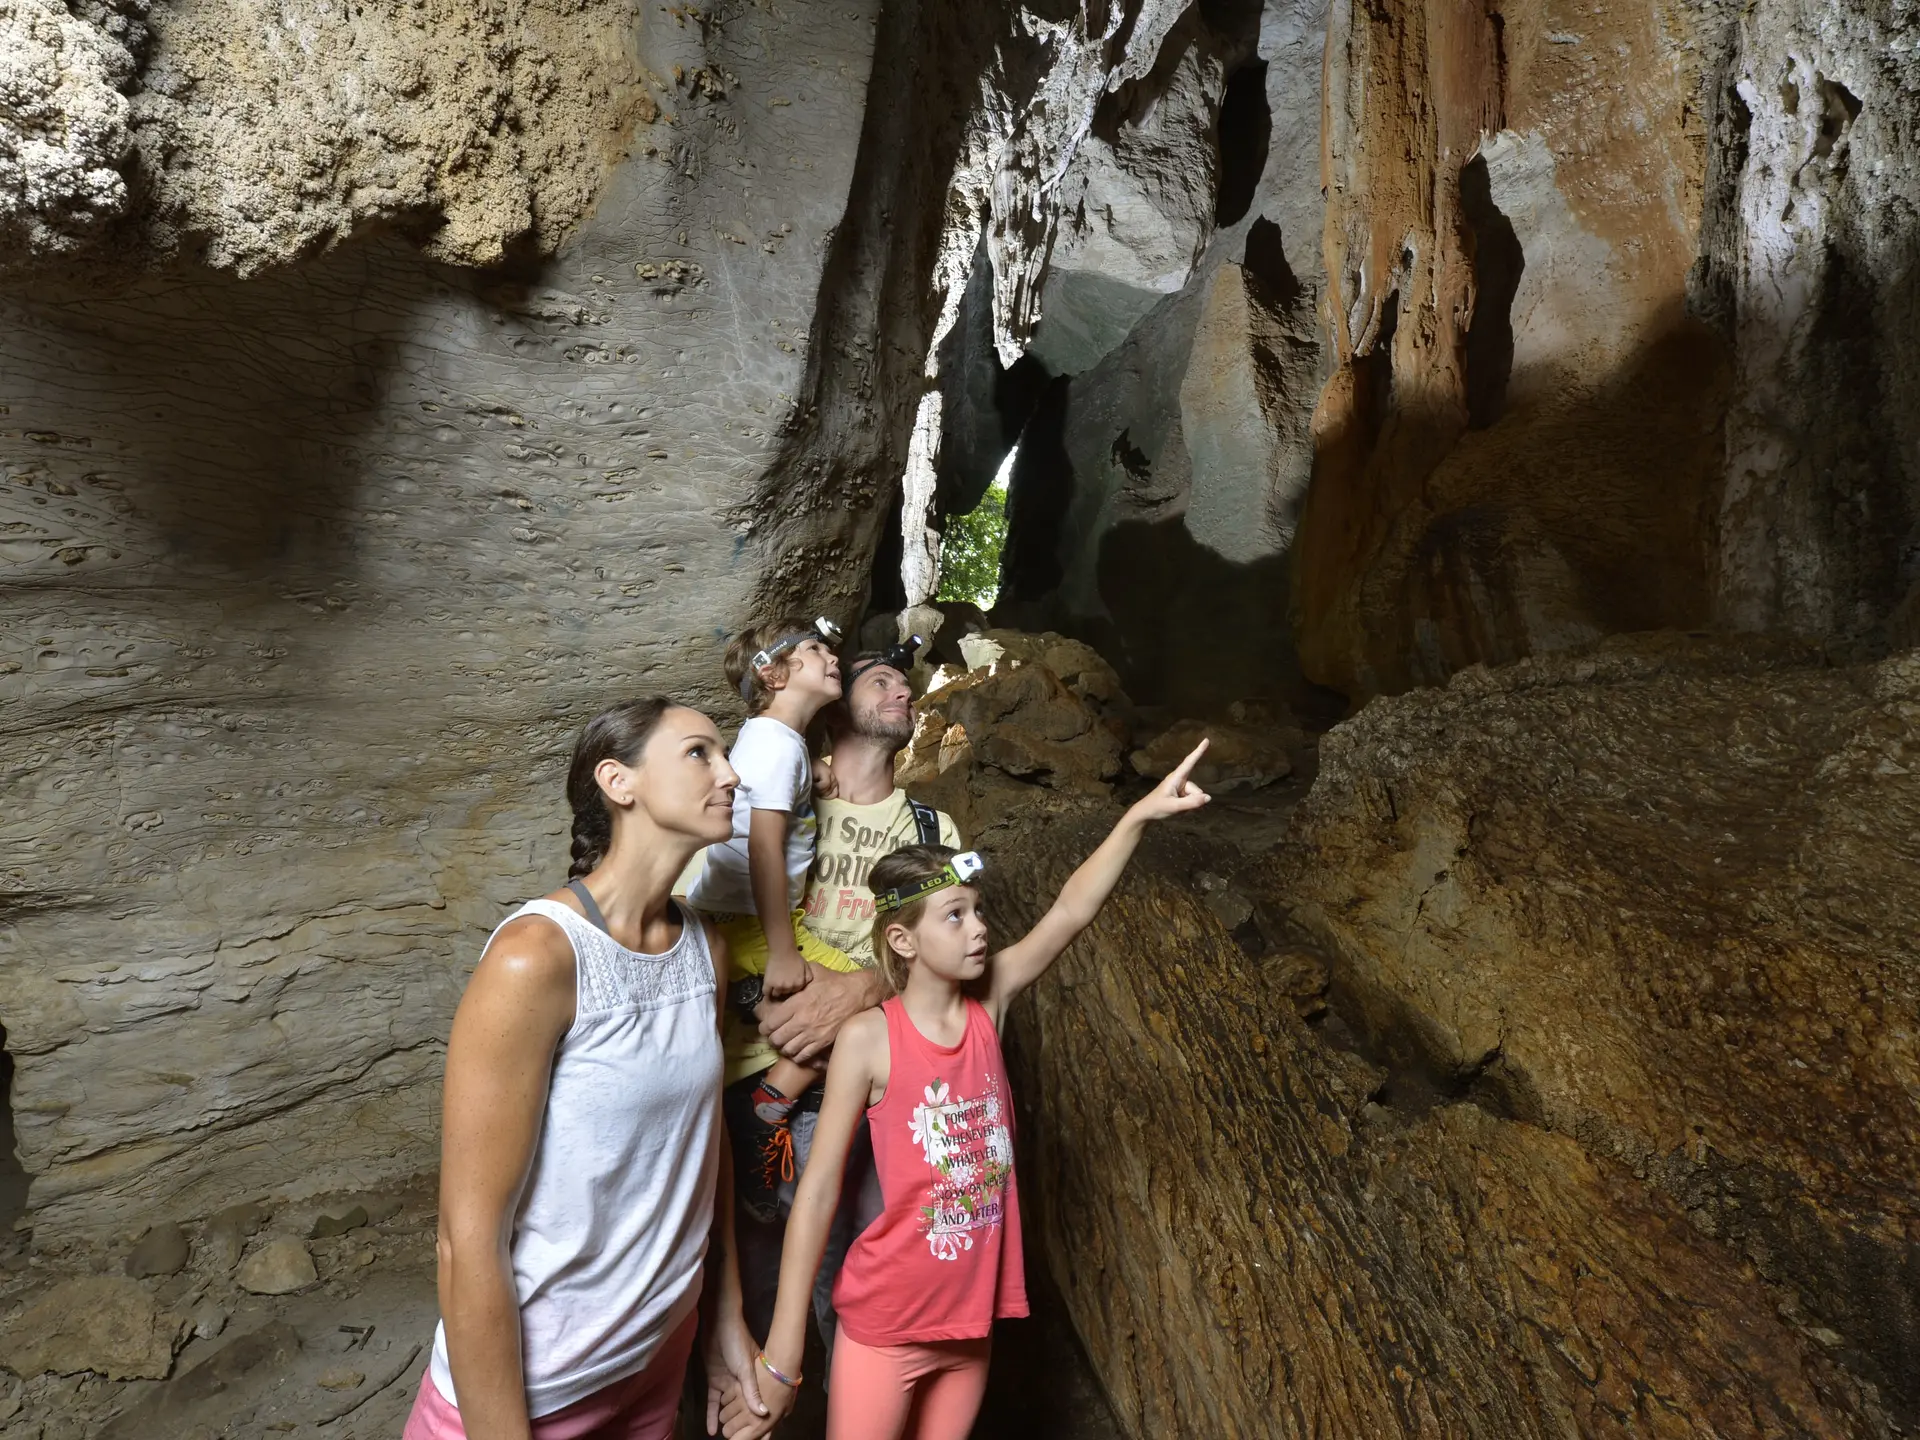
<point x="792" y="1383"/>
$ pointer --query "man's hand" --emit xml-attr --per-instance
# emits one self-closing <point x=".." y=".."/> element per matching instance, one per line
<point x="803" y="1027"/>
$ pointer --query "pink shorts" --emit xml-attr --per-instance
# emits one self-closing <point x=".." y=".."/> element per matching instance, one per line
<point x="905" y="1392"/>
<point x="641" y="1407"/>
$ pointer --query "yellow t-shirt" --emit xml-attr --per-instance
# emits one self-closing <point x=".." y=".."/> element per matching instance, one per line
<point x="839" y="906"/>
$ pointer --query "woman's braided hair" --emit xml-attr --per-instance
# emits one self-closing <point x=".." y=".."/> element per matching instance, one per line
<point x="899" y="870"/>
<point x="619" y="732"/>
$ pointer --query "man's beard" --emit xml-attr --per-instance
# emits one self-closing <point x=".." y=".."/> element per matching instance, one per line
<point x="874" y="726"/>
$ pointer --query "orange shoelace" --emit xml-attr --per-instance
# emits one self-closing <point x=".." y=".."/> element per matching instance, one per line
<point x="777" y="1153"/>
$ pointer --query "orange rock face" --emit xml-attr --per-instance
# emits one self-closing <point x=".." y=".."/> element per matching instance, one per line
<point x="1519" y="449"/>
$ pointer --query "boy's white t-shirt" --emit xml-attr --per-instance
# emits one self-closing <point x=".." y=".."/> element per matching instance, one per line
<point x="775" y="774"/>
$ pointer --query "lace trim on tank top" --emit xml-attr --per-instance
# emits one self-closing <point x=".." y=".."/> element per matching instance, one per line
<point x="611" y="977"/>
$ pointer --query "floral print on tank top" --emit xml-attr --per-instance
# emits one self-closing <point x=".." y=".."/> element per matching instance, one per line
<point x="968" y="1146"/>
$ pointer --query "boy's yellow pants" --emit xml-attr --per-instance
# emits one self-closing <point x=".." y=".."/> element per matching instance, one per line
<point x="748" y="1052"/>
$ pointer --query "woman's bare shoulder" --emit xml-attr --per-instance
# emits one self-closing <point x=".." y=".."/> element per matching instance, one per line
<point x="529" y="956"/>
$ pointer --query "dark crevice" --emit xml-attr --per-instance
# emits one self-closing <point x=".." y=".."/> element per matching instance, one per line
<point x="1265" y="261"/>
<point x="1246" y="128"/>
<point x="1839" y="108"/>
<point x="1038" y="493"/>
<point x="1373" y="373"/>
<point x="1497" y="266"/>
<point x="13" y="1175"/>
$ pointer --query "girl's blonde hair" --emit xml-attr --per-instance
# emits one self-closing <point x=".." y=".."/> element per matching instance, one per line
<point x="901" y="869"/>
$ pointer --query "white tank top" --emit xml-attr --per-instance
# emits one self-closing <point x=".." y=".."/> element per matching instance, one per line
<point x="611" y="1226"/>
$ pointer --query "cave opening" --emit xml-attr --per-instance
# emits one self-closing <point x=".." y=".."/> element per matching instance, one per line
<point x="972" y="543"/>
<point x="1246" y="131"/>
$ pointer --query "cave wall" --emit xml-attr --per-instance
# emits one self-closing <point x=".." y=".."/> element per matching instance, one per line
<point x="311" y="574"/>
<point x="384" y="391"/>
<point x="1813" y="262"/>
<point x="1519" y="449"/>
<point x="1625" y="347"/>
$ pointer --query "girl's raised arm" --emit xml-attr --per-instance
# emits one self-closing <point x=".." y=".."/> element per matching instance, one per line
<point x="1086" y="890"/>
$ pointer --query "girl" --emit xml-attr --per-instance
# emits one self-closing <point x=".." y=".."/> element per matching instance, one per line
<point x="582" y="1138"/>
<point x="924" y="1283"/>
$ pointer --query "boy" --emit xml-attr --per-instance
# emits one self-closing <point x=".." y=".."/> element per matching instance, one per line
<point x="753" y="883"/>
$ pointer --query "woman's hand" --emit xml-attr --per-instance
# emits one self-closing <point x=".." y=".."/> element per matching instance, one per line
<point x="733" y="1376"/>
<point x="1174" y="795"/>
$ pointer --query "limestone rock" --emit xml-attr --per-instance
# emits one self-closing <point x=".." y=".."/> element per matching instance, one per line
<point x="161" y="1251"/>
<point x="278" y="1267"/>
<point x="208" y="1319"/>
<point x="1079" y="666"/>
<point x="1136" y="212"/>
<point x="1662" y="897"/>
<point x="1023" y="721"/>
<point x="1239" y="757"/>
<point x="107" y="1324"/>
<point x="63" y="130"/>
<point x="1256" y="1244"/>
<point x="339" y="1377"/>
<point x="224" y="1235"/>
<point x="339" y="1221"/>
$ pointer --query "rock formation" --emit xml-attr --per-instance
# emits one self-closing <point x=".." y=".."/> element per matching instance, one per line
<point x="1658" y="898"/>
<point x="320" y="547"/>
<point x="1608" y="1129"/>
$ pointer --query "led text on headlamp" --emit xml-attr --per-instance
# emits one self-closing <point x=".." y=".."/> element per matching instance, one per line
<point x="958" y="871"/>
<point x="824" y="630"/>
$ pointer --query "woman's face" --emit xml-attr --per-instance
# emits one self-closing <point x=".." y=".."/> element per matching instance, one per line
<point x="683" y="780"/>
<point x="950" y="937"/>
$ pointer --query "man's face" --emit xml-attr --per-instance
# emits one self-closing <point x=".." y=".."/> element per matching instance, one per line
<point x="881" y="705"/>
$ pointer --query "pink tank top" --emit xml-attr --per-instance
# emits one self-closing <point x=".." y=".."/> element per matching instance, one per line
<point x="942" y="1261"/>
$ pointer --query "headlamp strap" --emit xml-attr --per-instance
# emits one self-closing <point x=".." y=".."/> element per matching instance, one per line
<point x="958" y="871"/>
<point x="824" y="630"/>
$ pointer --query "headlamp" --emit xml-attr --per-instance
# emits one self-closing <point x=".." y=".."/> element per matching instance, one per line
<point x="958" y="871"/>
<point x="899" y="657"/>
<point x="823" y="630"/>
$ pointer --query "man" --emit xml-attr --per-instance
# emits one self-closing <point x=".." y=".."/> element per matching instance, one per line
<point x="866" y="817"/>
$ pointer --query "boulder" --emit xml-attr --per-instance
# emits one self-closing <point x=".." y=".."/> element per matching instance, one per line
<point x="107" y="1324"/>
<point x="1239" y="757"/>
<point x="161" y="1251"/>
<point x="1079" y="666"/>
<point x="278" y="1267"/>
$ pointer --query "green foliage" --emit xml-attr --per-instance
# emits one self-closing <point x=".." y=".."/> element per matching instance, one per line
<point x="970" y="550"/>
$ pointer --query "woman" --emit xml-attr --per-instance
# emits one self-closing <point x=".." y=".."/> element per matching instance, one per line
<point x="582" y="1141"/>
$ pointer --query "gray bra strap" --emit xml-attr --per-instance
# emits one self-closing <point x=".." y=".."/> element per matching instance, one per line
<point x="585" y="897"/>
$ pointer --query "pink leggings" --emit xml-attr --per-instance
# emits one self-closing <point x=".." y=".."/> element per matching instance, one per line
<point x="640" y="1407"/>
<point x="905" y="1392"/>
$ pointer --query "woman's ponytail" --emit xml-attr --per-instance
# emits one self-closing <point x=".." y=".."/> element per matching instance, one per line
<point x="618" y="733"/>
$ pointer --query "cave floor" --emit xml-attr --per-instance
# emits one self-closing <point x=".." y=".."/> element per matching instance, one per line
<point x="342" y="1359"/>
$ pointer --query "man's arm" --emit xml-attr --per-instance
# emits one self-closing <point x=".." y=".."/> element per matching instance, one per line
<point x="803" y="1026"/>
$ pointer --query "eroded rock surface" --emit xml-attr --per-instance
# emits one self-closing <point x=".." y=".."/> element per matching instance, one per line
<point x="1252" y="1244"/>
<point x="1662" y="898"/>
